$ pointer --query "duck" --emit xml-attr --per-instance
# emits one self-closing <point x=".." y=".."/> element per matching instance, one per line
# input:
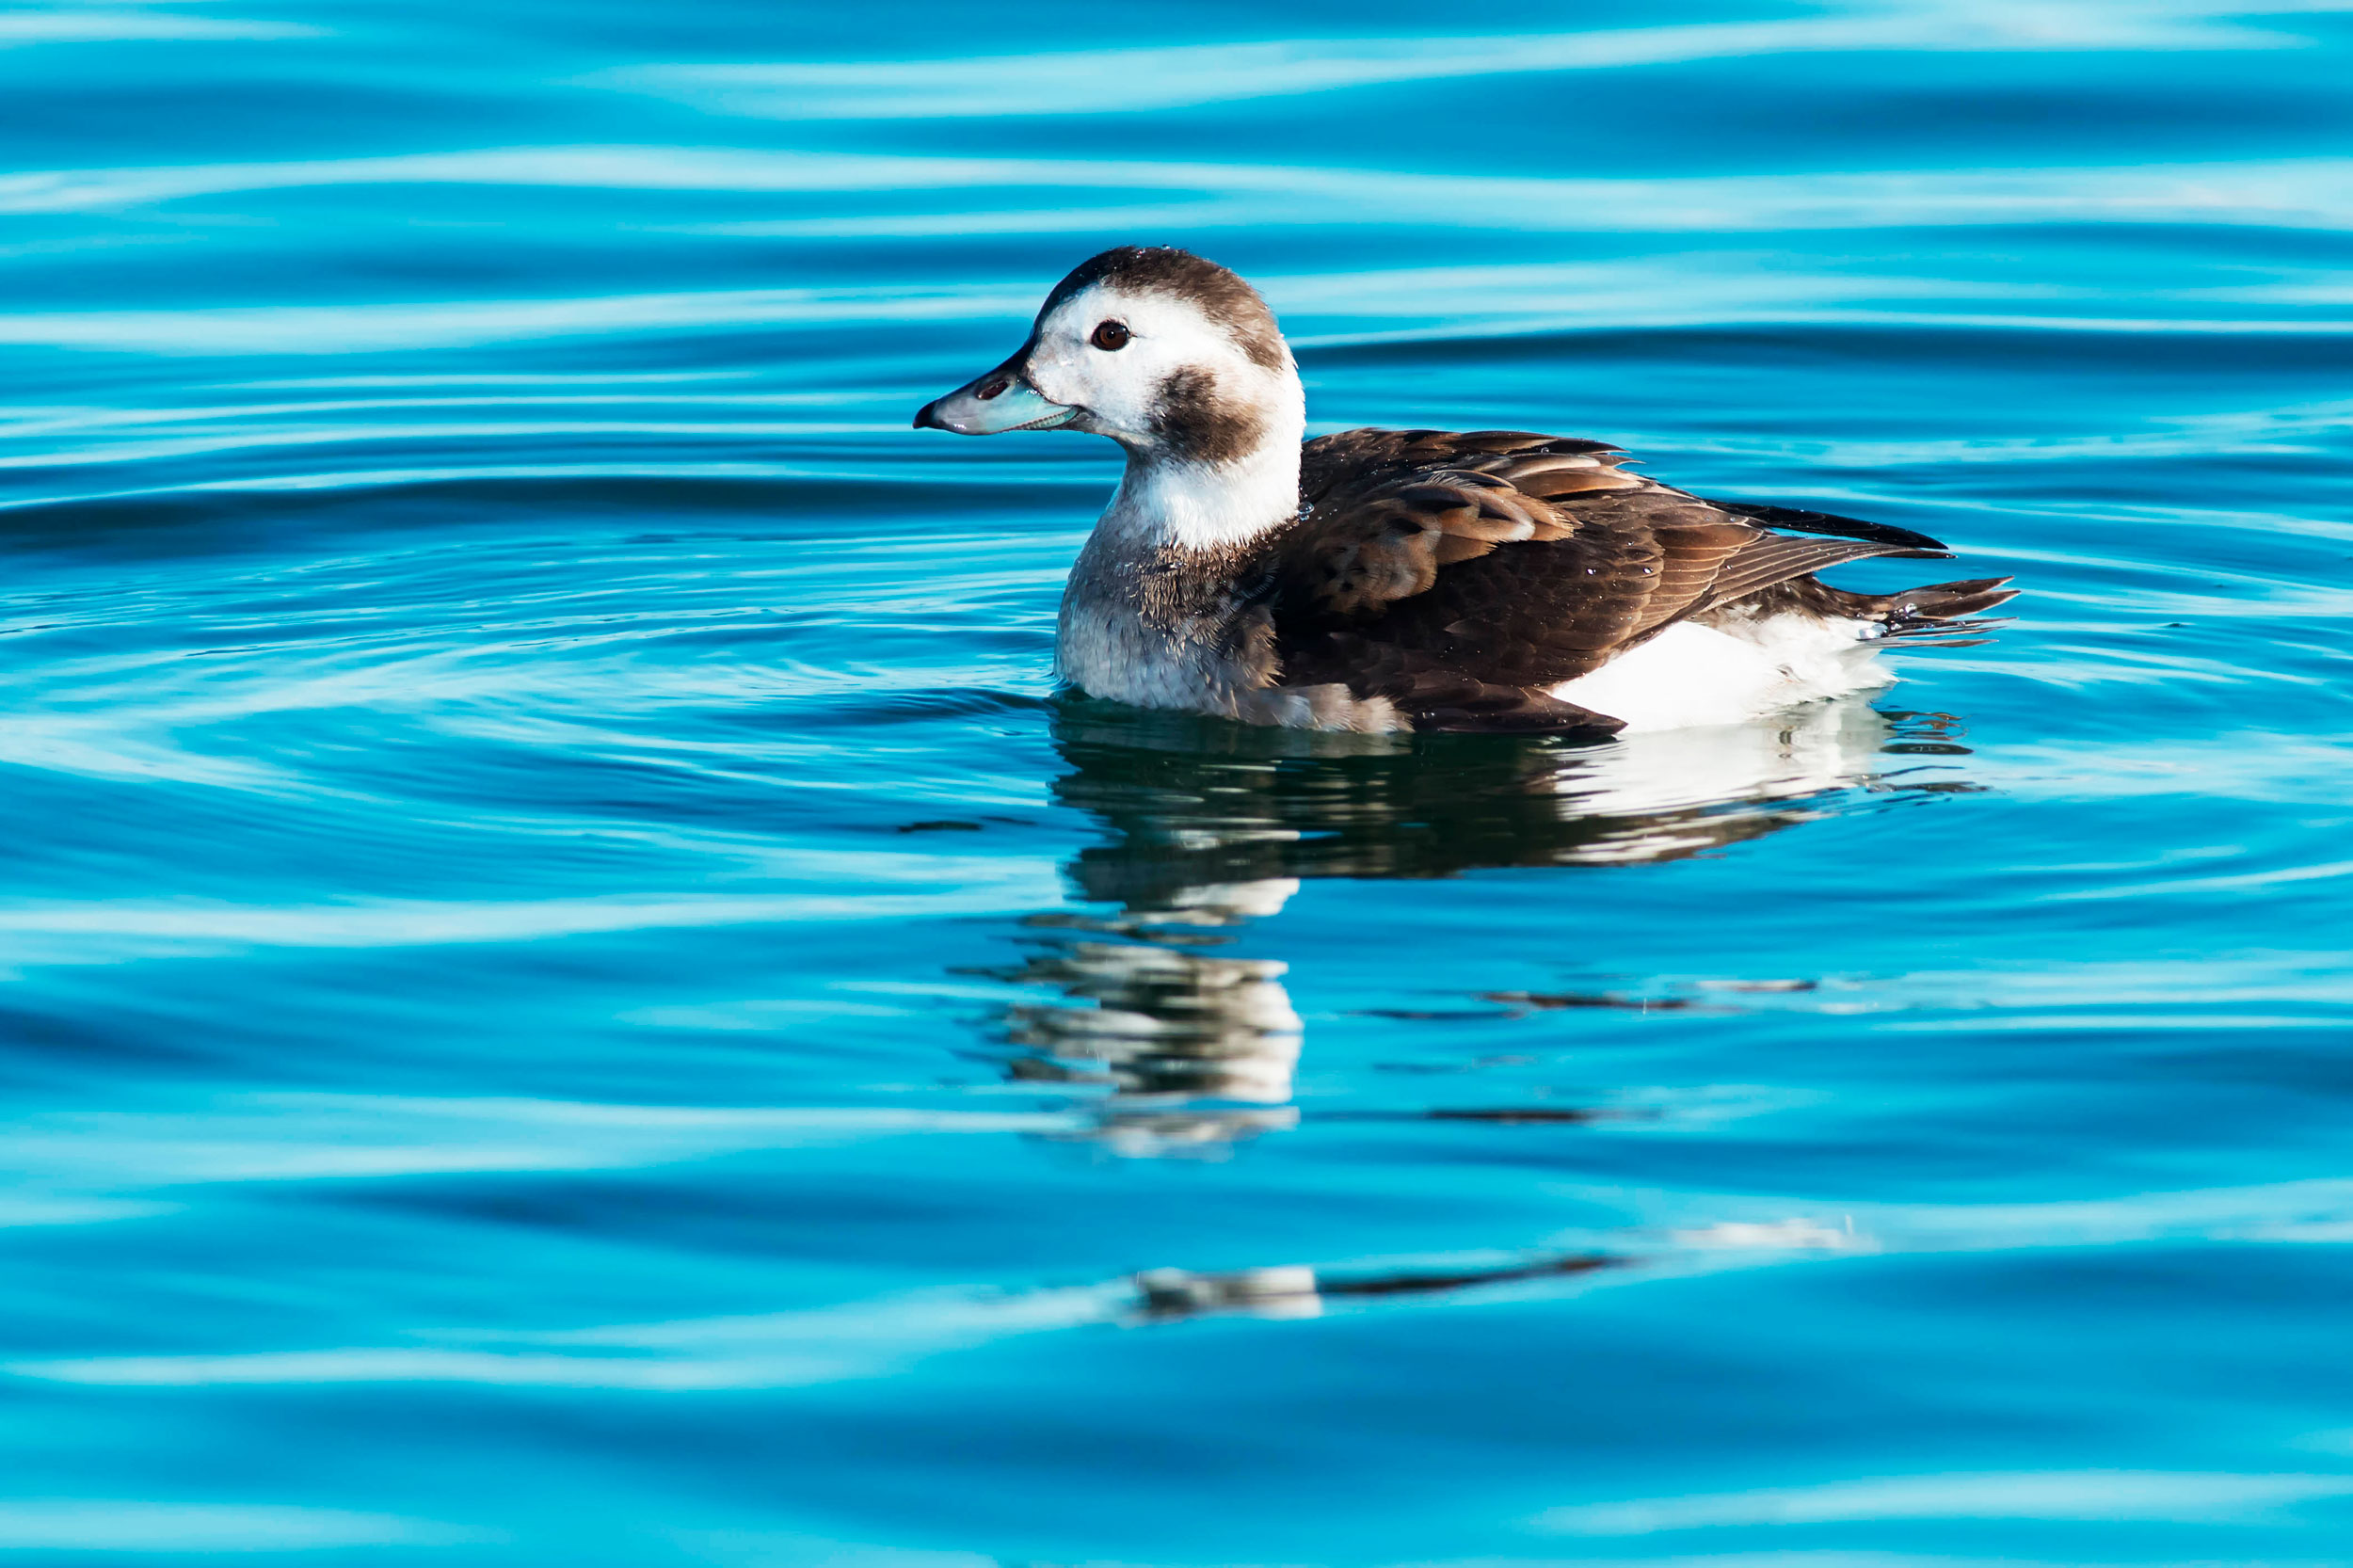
<point x="1417" y="580"/>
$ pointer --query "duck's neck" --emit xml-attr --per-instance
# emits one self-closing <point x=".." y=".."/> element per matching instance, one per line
<point x="1166" y="502"/>
<point x="1150" y="611"/>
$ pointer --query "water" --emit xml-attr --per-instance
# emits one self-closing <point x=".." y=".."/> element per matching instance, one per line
<point x="573" y="997"/>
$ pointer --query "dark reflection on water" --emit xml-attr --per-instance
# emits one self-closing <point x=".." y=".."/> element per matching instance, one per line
<point x="1206" y="826"/>
<point x="1296" y="1291"/>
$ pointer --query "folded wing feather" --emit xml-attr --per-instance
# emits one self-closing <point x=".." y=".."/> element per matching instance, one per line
<point x="1459" y="574"/>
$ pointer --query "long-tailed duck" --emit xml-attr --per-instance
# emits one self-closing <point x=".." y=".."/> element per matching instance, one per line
<point x="1381" y="579"/>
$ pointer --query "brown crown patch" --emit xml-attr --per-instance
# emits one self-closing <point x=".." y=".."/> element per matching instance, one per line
<point x="1220" y="294"/>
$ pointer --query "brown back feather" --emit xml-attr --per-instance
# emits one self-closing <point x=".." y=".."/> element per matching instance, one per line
<point x="1443" y="570"/>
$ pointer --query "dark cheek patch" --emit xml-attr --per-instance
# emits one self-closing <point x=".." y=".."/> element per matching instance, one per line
<point x="1194" y="420"/>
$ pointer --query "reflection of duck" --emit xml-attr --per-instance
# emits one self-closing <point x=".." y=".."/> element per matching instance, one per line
<point x="1170" y="1029"/>
<point x="1204" y="816"/>
<point x="1207" y="825"/>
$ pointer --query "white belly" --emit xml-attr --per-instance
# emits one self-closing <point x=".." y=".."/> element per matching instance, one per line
<point x="1696" y="675"/>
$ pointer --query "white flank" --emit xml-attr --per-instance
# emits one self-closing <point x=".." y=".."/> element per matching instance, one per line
<point x="1697" y="675"/>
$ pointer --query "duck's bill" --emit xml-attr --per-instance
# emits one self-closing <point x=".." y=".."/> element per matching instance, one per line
<point x="997" y="402"/>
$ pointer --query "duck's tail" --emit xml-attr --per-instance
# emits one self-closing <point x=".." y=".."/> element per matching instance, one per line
<point x="1940" y="615"/>
<point x="1945" y="613"/>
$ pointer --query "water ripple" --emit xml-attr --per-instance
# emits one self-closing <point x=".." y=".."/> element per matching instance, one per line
<point x="568" y="973"/>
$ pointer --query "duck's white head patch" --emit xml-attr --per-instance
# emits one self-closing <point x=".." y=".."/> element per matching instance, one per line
<point x="1171" y="356"/>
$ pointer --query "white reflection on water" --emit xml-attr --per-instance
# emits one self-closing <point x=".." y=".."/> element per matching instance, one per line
<point x="2302" y="192"/>
<point x="273" y="1138"/>
<point x="137" y="1524"/>
<point x="1133" y="81"/>
<point x="1808" y="750"/>
<point x="2171" y="1496"/>
<point x="137" y="24"/>
<point x="855" y="1339"/>
<point x="41" y="932"/>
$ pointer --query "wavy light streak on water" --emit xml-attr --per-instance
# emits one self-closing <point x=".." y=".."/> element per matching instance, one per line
<point x="571" y="994"/>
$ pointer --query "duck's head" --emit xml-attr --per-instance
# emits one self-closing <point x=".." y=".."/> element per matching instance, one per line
<point x="1169" y="355"/>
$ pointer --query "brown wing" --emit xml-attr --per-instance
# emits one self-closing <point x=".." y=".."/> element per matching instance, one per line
<point x="1459" y="573"/>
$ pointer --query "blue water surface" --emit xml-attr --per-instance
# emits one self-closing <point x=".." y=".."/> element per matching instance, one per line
<point x="573" y="996"/>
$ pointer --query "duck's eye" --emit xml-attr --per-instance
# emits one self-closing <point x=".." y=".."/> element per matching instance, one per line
<point x="1110" y="335"/>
